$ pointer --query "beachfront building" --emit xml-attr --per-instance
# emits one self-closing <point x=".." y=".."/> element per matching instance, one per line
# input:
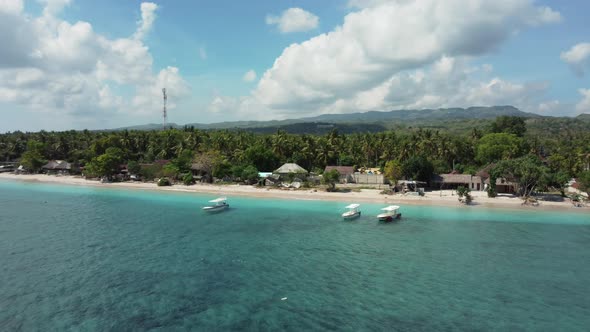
<point x="369" y="176"/>
<point x="503" y="185"/>
<point x="202" y="171"/>
<point x="346" y="173"/>
<point x="57" y="167"/>
<point x="290" y="172"/>
<point x="411" y="186"/>
<point x="290" y="168"/>
<point x="454" y="181"/>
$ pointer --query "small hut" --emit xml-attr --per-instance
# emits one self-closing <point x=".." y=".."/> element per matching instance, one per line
<point x="291" y="171"/>
<point x="290" y="168"/>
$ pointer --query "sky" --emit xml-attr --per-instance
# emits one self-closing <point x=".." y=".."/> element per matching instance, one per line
<point x="82" y="64"/>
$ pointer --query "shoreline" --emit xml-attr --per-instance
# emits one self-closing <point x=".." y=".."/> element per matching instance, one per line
<point x="445" y="198"/>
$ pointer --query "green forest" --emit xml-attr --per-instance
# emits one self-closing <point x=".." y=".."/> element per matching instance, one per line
<point x="548" y="152"/>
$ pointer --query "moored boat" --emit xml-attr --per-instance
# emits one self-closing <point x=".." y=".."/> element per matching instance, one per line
<point x="353" y="211"/>
<point x="219" y="204"/>
<point x="390" y="213"/>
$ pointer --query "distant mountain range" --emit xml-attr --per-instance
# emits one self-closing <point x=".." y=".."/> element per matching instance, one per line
<point x="351" y="122"/>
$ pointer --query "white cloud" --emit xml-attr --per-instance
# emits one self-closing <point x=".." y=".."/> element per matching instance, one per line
<point x="249" y="76"/>
<point x="62" y="68"/>
<point x="11" y="6"/>
<point x="584" y="105"/>
<point x="148" y="16"/>
<point x="240" y="108"/>
<point x="578" y="57"/>
<point x="149" y="95"/>
<point x="294" y="20"/>
<point x="549" y="107"/>
<point x="390" y="41"/>
<point x="54" y="7"/>
<point x="366" y="3"/>
<point x="545" y="15"/>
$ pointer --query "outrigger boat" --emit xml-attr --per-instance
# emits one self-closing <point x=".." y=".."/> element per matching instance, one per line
<point x="353" y="212"/>
<point x="390" y="213"/>
<point x="219" y="204"/>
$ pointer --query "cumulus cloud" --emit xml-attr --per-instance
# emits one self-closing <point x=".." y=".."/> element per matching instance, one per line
<point x="65" y="68"/>
<point x="148" y="16"/>
<point x="249" y="76"/>
<point x="17" y="31"/>
<point x="11" y="6"/>
<point x="578" y="57"/>
<point x="294" y="20"/>
<point x="244" y="108"/>
<point x="583" y="106"/>
<point x="366" y="3"/>
<point x="54" y="7"/>
<point x="385" y="41"/>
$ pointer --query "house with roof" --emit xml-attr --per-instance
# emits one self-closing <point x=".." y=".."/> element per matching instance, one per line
<point x="346" y="173"/>
<point x="503" y="185"/>
<point x="454" y="181"/>
<point x="290" y="168"/>
<point x="57" y="167"/>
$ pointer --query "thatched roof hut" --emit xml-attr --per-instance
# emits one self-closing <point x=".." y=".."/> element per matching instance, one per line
<point x="290" y="168"/>
<point x="57" y="165"/>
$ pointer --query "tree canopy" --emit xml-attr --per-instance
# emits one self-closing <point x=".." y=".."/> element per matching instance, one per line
<point x="509" y="124"/>
<point x="468" y="146"/>
<point x="498" y="146"/>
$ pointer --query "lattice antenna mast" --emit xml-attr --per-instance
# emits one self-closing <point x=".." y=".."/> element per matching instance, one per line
<point x="165" y="113"/>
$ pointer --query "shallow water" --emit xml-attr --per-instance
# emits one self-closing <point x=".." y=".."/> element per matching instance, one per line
<point x="76" y="258"/>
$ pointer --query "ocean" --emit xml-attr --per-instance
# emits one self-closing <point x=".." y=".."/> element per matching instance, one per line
<point x="94" y="259"/>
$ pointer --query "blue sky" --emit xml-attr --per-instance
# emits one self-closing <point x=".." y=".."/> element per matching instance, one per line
<point x="91" y="64"/>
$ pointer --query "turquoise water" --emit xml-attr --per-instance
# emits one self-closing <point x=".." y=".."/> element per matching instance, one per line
<point x="87" y="259"/>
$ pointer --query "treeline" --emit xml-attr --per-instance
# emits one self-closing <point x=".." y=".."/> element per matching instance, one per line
<point x="421" y="151"/>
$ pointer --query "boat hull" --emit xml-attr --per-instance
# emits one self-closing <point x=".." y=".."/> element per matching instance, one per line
<point x="349" y="216"/>
<point x="389" y="217"/>
<point x="213" y="209"/>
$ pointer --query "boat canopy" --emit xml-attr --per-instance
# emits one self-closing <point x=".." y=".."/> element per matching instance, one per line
<point x="390" y="208"/>
<point x="352" y="206"/>
<point x="218" y="200"/>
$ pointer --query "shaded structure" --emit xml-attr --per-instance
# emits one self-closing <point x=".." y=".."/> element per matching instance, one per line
<point x="57" y="167"/>
<point x="346" y="172"/>
<point x="454" y="181"/>
<point x="290" y="168"/>
<point x="503" y="185"/>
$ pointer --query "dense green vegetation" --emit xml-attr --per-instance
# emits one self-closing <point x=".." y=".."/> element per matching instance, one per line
<point x="411" y="152"/>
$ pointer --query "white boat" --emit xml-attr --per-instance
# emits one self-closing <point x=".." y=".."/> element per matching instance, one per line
<point x="353" y="211"/>
<point x="390" y="213"/>
<point x="219" y="204"/>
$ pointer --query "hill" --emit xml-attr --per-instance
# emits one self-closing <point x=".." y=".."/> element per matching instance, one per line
<point x="359" y="122"/>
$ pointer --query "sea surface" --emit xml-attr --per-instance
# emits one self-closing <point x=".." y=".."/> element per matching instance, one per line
<point x="94" y="259"/>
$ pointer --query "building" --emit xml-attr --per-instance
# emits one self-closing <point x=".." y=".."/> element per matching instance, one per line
<point x="454" y="181"/>
<point x="503" y="185"/>
<point x="57" y="167"/>
<point x="290" y="168"/>
<point x="346" y="172"/>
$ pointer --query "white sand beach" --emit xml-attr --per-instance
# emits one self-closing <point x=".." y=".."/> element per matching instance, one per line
<point x="435" y="198"/>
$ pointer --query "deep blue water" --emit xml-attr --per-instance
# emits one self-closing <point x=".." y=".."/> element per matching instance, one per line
<point x="92" y="259"/>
